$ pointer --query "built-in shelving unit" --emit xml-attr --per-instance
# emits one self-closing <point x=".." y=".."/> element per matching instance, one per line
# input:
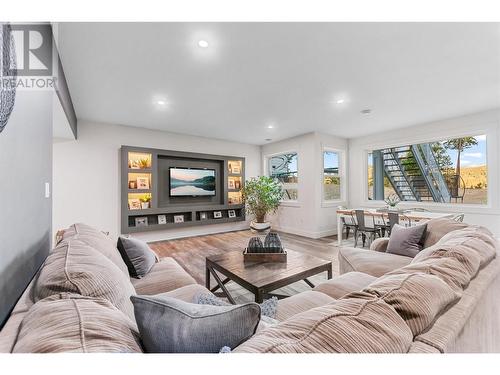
<point x="146" y="201"/>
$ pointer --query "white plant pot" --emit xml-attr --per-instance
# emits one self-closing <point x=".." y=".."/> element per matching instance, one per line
<point x="144" y="205"/>
<point x="260" y="226"/>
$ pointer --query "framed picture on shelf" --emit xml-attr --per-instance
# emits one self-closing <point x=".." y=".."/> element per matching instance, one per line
<point x="230" y="184"/>
<point x="178" y="218"/>
<point x="141" y="221"/>
<point x="134" y="164"/>
<point x="134" y="204"/>
<point x="217" y="214"/>
<point x="237" y="184"/>
<point x="231" y="213"/>
<point x="143" y="183"/>
<point x="203" y="216"/>
<point x="132" y="184"/>
<point x="236" y="169"/>
<point x="162" y="219"/>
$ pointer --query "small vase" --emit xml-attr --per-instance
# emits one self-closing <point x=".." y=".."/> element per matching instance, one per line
<point x="144" y="205"/>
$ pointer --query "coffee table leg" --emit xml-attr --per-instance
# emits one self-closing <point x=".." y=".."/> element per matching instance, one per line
<point x="207" y="276"/>
<point x="309" y="283"/>
<point x="259" y="296"/>
<point x="222" y="286"/>
<point x="329" y="273"/>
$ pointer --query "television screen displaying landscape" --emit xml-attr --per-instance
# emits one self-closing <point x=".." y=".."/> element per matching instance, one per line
<point x="192" y="182"/>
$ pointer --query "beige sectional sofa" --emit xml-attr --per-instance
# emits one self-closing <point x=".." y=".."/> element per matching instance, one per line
<point x="444" y="300"/>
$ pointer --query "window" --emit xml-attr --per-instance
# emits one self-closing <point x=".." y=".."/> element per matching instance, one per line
<point x="448" y="171"/>
<point x="332" y="189"/>
<point x="284" y="168"/>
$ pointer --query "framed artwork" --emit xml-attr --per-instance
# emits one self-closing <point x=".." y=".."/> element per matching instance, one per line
<point x="217" y="214"/>
<point x="162" y="219"/>
<point x="178" y="218"/>
<point x="230" y="184"/>
<point x="237" y="184"/>
<point x="141" y="221"/>
<point x="236" y="169"/>
<point x="143" y="183"/>
<point x="203" y="216"/>
<point x="134" y="204"/>
<point x="231" y="213"/>
<point x="134" y="164"/>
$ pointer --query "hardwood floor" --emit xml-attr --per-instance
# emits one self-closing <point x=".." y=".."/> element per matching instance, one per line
<point x="191" y="252"/>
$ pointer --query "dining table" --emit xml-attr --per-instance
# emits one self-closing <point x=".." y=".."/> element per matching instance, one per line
<point x="414" y="215"/>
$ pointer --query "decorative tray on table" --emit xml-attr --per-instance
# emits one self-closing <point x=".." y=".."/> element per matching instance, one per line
<point x="270" y="251"/>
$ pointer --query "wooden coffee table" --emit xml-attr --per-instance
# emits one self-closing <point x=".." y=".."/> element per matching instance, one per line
<point x="262" y="278"/>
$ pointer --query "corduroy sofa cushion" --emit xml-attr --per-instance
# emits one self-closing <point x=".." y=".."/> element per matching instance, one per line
<point x="437" y="228"/>
<point x="473" y="239"/>
<point x="418" y="298"/>
<point x="73" y="323"/>
<point x="164" y="276"/>
<point x="97" y="240"/>
<point x="349" y="282"/>
<point x="75" y="267"/>
<point x="352" y="325"/>
<point x="449" y="269"/>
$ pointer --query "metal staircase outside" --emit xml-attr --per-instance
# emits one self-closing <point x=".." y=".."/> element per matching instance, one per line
<point x="414" y="173"/>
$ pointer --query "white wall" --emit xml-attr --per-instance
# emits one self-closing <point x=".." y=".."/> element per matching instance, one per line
<point x="87" y="175"/>
<point x="481" y="123"/>
<point x="309" y="216"/>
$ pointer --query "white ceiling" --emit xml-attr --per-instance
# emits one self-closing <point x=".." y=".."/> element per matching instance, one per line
<point x="287" y="74"/>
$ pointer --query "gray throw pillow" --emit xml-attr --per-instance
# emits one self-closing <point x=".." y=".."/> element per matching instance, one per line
<point x="169" y="325"/>
<point x="137" y="255"/>
<point x="406" y="241"/>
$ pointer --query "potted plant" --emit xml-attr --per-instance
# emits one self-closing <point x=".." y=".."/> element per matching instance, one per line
<point x="392" y="201"/>
<point x="261" y="195"/>
<point x="145" y="201"/>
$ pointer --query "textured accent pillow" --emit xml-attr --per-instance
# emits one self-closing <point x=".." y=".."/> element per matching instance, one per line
<point x="137" y="255"/>
<point x="352" y="325"/>
<point x="75" y="267"/>
<point x="406" y="241"/>
<point x="418" y="298"/>
<point x="169" y="325"/>
<point x="437" y="228"/>
<point x="267" y="308"/>
<point x="72" y="323"/>
<point x="97" y="240"/>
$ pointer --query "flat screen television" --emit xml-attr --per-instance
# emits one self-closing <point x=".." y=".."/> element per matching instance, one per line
<point x="192" y="182"/>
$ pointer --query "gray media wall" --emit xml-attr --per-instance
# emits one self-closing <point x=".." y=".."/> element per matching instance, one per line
<point x="25" y="213"/>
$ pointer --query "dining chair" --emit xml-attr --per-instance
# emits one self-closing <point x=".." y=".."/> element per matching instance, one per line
<point x="363" y="230"/>
<point x="393" y="220"/>
<point x="348" y="223"/>
<point x="458" y="217"/>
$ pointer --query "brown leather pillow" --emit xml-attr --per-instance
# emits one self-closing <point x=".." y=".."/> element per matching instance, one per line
<point x="73" y="323"/>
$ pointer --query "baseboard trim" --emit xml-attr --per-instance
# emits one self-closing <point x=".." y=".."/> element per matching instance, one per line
<point x="303" y="233"/>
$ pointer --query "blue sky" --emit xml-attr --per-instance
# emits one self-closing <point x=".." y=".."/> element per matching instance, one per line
<point x="473" y="156"/>
<point x="331" y="160"/>
<point x="476" y="155"/>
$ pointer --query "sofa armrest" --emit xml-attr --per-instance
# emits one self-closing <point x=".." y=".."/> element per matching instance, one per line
<point x="380" y="245"/>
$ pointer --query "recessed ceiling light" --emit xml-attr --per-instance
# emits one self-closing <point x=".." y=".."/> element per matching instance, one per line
<point x="161" y="102"/>
<point x="270" y="126"/>
<point x="366" y="111"/>
<point x="340" y="101"/>
<point x="202" y="43"/>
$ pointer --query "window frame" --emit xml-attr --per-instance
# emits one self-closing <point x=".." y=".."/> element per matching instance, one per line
<point x="465" y="207"/>
<point x="285" y="202"/>
<point x="342" y="175"/>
